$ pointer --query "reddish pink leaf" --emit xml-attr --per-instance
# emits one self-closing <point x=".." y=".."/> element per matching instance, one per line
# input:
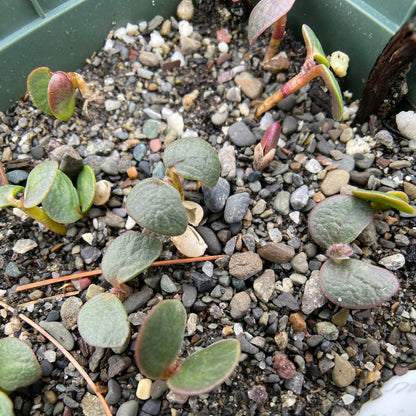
<point x="223" y="35"/>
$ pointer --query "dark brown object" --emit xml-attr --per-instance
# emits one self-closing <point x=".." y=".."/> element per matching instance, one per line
<point x="390" y="66"/>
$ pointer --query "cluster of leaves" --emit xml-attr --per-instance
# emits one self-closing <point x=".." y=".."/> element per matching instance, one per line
<point x="18" y="368"/>
<point x="336" y="222"/>
<point x="54" y="92"/>
<point x="268" y="12"/>
<point x="62" y="202"/>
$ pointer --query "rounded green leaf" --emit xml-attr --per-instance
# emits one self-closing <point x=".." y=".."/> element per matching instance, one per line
<point x="37" y="85"/>
<point x="158" y="207"/>
<point x="128" y="255"/>
<point x="39" y="183"/>
<point x="193" y="158"/>
<point x="313" y="46"/>
<point x="18" y="364"/>
<point x="160" y="338"/>
<point x="7" y="194"/>
<point x="339" y="219"/>
<point x="103" y="321"/>
<point x="6" y="405"/>
<point x="61" y="98"/>
<point x="62" y="202"/>
<point x="86" y="188"/>
<point x="206" y="369"/>
<point x="386" y="200"/>
<point x="354" y="284"/>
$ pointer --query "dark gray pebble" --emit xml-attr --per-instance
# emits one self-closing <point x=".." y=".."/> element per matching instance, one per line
<point x="139" y="151"/>
<point x="289" y="125"/>
<point x="17" y="176"/>
<point x="295" y="384"/>
<point x="37" y="152"/>
<point x="137" y="299"/>
<point x="314" y="340"/>
<point x="287" y="300"/>
<point x="216" y="197"/>
<point x="90" y="254"/>
<point x="53" y="315"/>
<point x="117" y="364"/>
<point x="129" y="408"/>
<point x="211" y="239"/>
<point x="236" y="207"/>
<point x="12" y="270"/>
<point x="151" y="407"/>
<point x="241" y="135"/>
<point x="287" y="103"/>
<point x="94" y="162"/>
<point x="238" y="284"/>
<point x="189" y="295"/>
<point x="202" y="282"/>
<point x="46" y="367"/>
<point x="70" y="402"/>
<point x="114" y="392"/>
<point x="110" y="166"/>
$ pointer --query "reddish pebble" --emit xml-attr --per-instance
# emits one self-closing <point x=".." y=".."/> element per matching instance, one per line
<point x="223" y="35"/>
<point x="283" y="366"/>
<point x="132" y="172"/>
<point x="155" y="145"/>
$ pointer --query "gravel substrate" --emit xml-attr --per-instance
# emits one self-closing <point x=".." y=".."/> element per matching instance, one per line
<point x="168" y="78"/>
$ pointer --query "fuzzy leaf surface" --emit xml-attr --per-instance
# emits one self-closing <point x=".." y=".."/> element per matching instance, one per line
<point x="86" y="188"/>
<point x="128" y="255"/>
<point x="62" y="202"/>
<point x="337" y="104"/>
<point x="386" y="200"/>
<point x="206" y="369"/>
<point x="339" y="219"/>
<point x="193" y="158"/>
<point x="6" y="192"/>
<point x="157" y="206"/>
<point x="39" y="183"/>
<point x="264" y="14"/>
<point x="18" y="364"/>
<point x="37" y="85"/>
<point x="6" y="405"/>
<point x="61" y="98"/>
<point x="160" y="338"/>
<point x="103" y="321"/>
<point x="357" y="285"/>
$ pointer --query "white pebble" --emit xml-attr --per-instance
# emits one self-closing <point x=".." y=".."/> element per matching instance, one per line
<point x="175" y="123"/>
<point x="185" y="28"/>
<point x="24" y="245"/>
<point x="156" y="40"/>
<point x="347" y="399"/>
<point x="50" y="355"/>
<point x="406" y="123"/>
<point x="223" y="47"/>
<point x="178" y="56"/>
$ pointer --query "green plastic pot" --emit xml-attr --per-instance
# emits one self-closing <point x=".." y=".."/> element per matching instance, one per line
<point x="61" y="34"/>
<point x="357" y="27"/>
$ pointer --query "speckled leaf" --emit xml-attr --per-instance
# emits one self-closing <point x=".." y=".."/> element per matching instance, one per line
<point x="386" y="200"/>
<point x="39" y="182"/>
<point x="313" y="46"/>
<point x="337" y="104"/>
<point x="7" y="194"/>
<point x="128" y="255"/>
<point x="61" y="98"/>
<point x="160" y="339"/>
<point x="193" y="158"/>
<point x="206" y="369"/>
<point x="339" y="219"/>
<point x="6" y="405"/>
<point x="157" y="206"/>
<point x="37" y="85"/>
<point x="357" y="285"/>
<point x="62" y="202"/>
<point x="264" y="14"/>
<point x="103" y="321"/>
<point x="86" y="188"/>
<point x="18" y="364"/>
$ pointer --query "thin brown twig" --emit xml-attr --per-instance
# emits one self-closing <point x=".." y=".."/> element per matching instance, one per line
<point x="99" y="271"/>
<point x="66" y="353"/>
<point x="63" y="295"/>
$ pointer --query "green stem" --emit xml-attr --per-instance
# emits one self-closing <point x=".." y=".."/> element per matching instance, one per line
<point x="41" y="216"/>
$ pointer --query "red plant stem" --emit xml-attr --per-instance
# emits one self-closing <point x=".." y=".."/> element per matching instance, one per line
<point x="97" y="272"/>
<point x="66" y="353"/>
<point x="294" y="84"/>
<point x="277" y="35"/>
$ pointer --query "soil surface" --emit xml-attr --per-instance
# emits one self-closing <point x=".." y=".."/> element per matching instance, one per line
<point x="141" y="78"/>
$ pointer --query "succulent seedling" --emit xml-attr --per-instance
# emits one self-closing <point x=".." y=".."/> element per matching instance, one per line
<point x="315" y="65"/>
<point x="159" y="342"/>
<point x="18" y="368"/>
<point x="158" y="204"/>
<point x="334" y="223"/>
<point x="265" y="150"/>
<point x="62" y="202"/>
<point x="263" y="15"/>
<point x="54" y="92"/>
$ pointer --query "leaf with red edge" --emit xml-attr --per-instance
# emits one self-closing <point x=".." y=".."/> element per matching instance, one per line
<point x="37" y="85"/>
<point x="61" y="97"/>
<point x="314" y="48"/>
<point x="264" y="14"/>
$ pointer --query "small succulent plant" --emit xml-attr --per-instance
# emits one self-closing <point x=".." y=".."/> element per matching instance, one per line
<point x="159" y="342"/>
<point x="265" y="151"/>
<point x="18" y="368"/>
<point x="54" y="92"/>
<point x="334" y="223"/>
<point x="62" y="202"/>
<point x="310" y="70"/>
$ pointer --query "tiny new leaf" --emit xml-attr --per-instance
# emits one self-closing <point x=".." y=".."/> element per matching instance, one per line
<point x="61" y="98"/>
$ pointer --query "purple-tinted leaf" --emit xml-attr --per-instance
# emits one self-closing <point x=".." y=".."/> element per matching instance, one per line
<point x="331" y="83"/>
<point x="264" y="14"/>
<point x="37" y="85"/>
<point x="61" y="97"/>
